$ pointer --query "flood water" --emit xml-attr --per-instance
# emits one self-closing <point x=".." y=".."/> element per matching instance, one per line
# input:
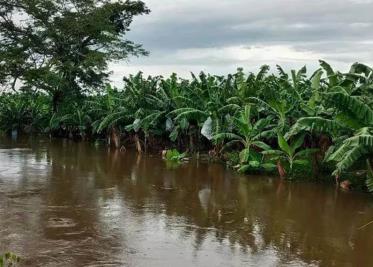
<point x="79" y="204"/>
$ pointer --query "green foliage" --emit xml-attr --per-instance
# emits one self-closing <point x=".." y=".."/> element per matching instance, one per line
<point x="174" y="155"/>
<point x="248" y="137"/>
<point x="9" y="259"/>
<point x="63" y="47"/>
<point x="256" y="120"/>
<point x="23" y="112"/>
<point x="352" y="149"/>
<point x="351" y="116"/>
<point x="291" y="153"/>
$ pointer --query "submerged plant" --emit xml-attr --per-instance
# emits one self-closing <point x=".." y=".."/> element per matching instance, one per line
<point x="174" y="155"/>
<point x="290" y="154"/>
<point x="9" y="260"/>
<point x="353" y="121"/>
<point x="248" y="136"/>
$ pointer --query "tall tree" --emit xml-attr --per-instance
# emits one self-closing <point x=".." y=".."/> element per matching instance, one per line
<point x="64" y="46"/>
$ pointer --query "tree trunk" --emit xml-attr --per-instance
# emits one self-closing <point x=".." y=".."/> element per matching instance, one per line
<point x="280" y="169"/>
<point x="54" y="104"/>
<point x="70" y="134"/>
<point x="145" y="143"/>
<point x="114" y="139"/>
<point x="138" y="144"/>
<point x="56" y="99"/>
<point x="191" y="141"/>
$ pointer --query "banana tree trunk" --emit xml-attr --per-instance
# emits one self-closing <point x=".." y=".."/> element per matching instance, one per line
<point x="281" y="169"/>
<point x="114" y="138"/>
<point x="191" y="141"/>
<point x="70" y="134"/>
<point x="145" y="143"/>
<point x="138" y="144"/>
<point x="322" y="143"/>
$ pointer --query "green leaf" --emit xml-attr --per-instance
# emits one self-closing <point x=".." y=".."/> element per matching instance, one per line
<point x="315" y="124"/>
<point x="254" y="163"/>
<point x="169" y="125"/>
<point x="228" y="136"/>
<point x="348" y="121"/>
<point x="306" y="152"/>
<point x="297" y="143"/>
<point x="174" y="155"/>
<point x="283" y="144"/>
<point x="301" y="162"/>
<point x="244" y="155"/>
<point x="315" y="81"/>
<point x="174" y="134"/>
<point x="272" y="152"/>
<point x="268" y="166"/>
<point x="352" y="106"/>
<point x="350" y="158"/>
<point x="261" y="145"/>
<point x="136" y="125"/>
<point x="333" y="79"/>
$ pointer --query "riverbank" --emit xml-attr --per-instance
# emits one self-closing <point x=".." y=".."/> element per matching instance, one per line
<point x="289" y="124"/>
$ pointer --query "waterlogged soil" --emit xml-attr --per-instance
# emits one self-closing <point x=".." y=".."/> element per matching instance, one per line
<point x="79" y="204"/>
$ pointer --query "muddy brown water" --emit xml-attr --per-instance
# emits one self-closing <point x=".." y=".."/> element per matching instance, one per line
<point x="79" y="204"/>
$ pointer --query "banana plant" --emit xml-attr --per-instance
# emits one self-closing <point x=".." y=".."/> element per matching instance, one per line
<point x="290" y="154"/>
<point x="278" y="109"/>
<point x="210" y="108"/>
<point x="23" y="112"/>
<point x="247" y="135"/>
<point x="352" y="149"/>
<point x="108" y="114"/>
<point x="252" y="84"/>
<point x="353" y="119"/>
<point x="75" y="121"/>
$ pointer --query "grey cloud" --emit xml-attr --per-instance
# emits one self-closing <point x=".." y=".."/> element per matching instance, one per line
<point x="335" y="29"/>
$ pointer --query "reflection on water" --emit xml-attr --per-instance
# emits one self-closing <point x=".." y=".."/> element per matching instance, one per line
<point x="76" y="204"/>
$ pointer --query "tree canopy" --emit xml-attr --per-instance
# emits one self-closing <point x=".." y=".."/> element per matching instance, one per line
<point x="64" y="46"/>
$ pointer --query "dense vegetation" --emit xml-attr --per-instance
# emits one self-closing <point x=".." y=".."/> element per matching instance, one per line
<point x="282" y="122"/>
<point x="63" y="47"/>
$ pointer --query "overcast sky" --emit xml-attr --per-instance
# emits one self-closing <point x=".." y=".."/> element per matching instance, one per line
<point x="218" y="36"/>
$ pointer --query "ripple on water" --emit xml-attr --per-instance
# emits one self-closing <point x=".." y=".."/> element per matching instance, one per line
<point x="72" y="204"/>
<point x="60" y="223"/>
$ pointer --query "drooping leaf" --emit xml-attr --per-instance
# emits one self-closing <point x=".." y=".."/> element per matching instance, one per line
<point x="169" y="125"/>
<point x="352" y="105"/>
<point x="350" y="158"/>
<point x="136" y="125"/>
<point x="174" y="134"/>
<point x="206" y="130"/>
<point x="333" y="80"/>
<point x="314" y="124"/>
<point x="261" y="145"/>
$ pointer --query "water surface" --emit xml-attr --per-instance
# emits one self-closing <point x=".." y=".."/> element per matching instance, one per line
<point x="79" y="204"/>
